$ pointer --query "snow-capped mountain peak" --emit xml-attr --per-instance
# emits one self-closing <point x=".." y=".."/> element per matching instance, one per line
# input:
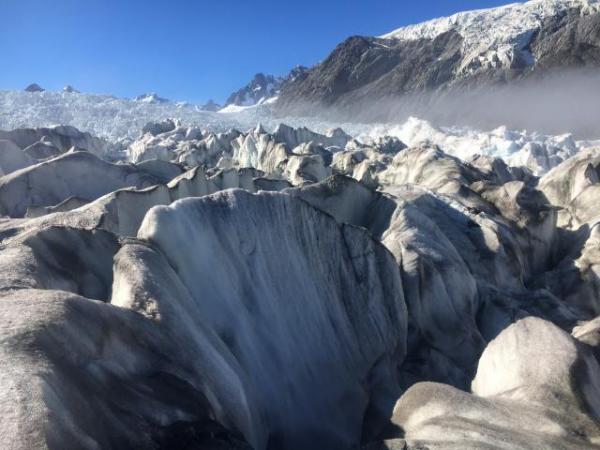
<point x="263" y="88"/>
<point x="34" y="87"/>
<point x="150" y="97"/>
<point x="260" y="88"/>
<point x="211" y="105"/>
<point x="70" y="89"/>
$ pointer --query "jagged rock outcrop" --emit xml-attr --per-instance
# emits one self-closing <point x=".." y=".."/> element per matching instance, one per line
<point x="259" y="89"/>
<point x="34" y="87"/>
<point x="263" y="87"/>
<point x="364" y="68"/>
<point x="211" y="106"/>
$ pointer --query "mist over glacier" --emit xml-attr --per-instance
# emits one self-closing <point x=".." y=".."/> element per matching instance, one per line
<point x="564" y="102"/>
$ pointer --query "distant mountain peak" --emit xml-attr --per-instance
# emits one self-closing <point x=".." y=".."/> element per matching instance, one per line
<point x="150" y="97"/>
<point x="259" y="89"/>
<point x="211" y="105"/>
<point x="34" y="87"/>
<point x="263" y="87"/>
<point x="70" y="89"/>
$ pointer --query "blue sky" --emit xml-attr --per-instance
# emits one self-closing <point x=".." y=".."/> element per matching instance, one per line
<point x="186" y="50"/>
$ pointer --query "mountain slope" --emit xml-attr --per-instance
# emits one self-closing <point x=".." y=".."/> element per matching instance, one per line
<point x="467" y="50"/>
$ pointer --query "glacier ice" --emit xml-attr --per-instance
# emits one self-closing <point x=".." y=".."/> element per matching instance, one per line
<point x="123" y="122"/>
<point x="515" y="404"/>
<point x="282" y="287"/>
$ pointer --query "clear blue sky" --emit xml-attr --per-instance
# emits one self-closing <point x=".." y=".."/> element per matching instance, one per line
<point x="186" y="50"/>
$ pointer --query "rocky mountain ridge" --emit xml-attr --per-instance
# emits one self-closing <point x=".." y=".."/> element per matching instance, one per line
<point x="474" y="50"/>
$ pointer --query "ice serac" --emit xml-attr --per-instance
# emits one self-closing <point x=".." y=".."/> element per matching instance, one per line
<point x="74" y="366"/>
<point x="122" y="211"/>
<point x="313" y="316"/>
<point x="79" y="174"/>
<point x="551" y="404"/>
<point x="573" y="187"/>
<point x="61" y="137"/>
<point x="440" y="290"/>
<point x="468" y="243"/>
<point x="297" y="319"/>
<point x="12" y="157"/>
<point x="121" y="120"/>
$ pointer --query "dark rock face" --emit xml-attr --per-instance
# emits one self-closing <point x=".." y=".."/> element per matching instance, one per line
<point x="155" y="128"/>
<point x="374" y="69"/>
<point x="260" y="87"/>
<point x="211" y="106"/>
<point x="34" y="87"/>
<point x="364" y="67"/>
<point x="572" y="41"/>
<point x="263" y="87"/>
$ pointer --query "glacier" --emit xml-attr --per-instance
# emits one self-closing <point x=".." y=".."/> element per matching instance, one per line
<point x="176" y="276"/>
<point x="242" y="286"/>
<point x="119" y="123"/>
